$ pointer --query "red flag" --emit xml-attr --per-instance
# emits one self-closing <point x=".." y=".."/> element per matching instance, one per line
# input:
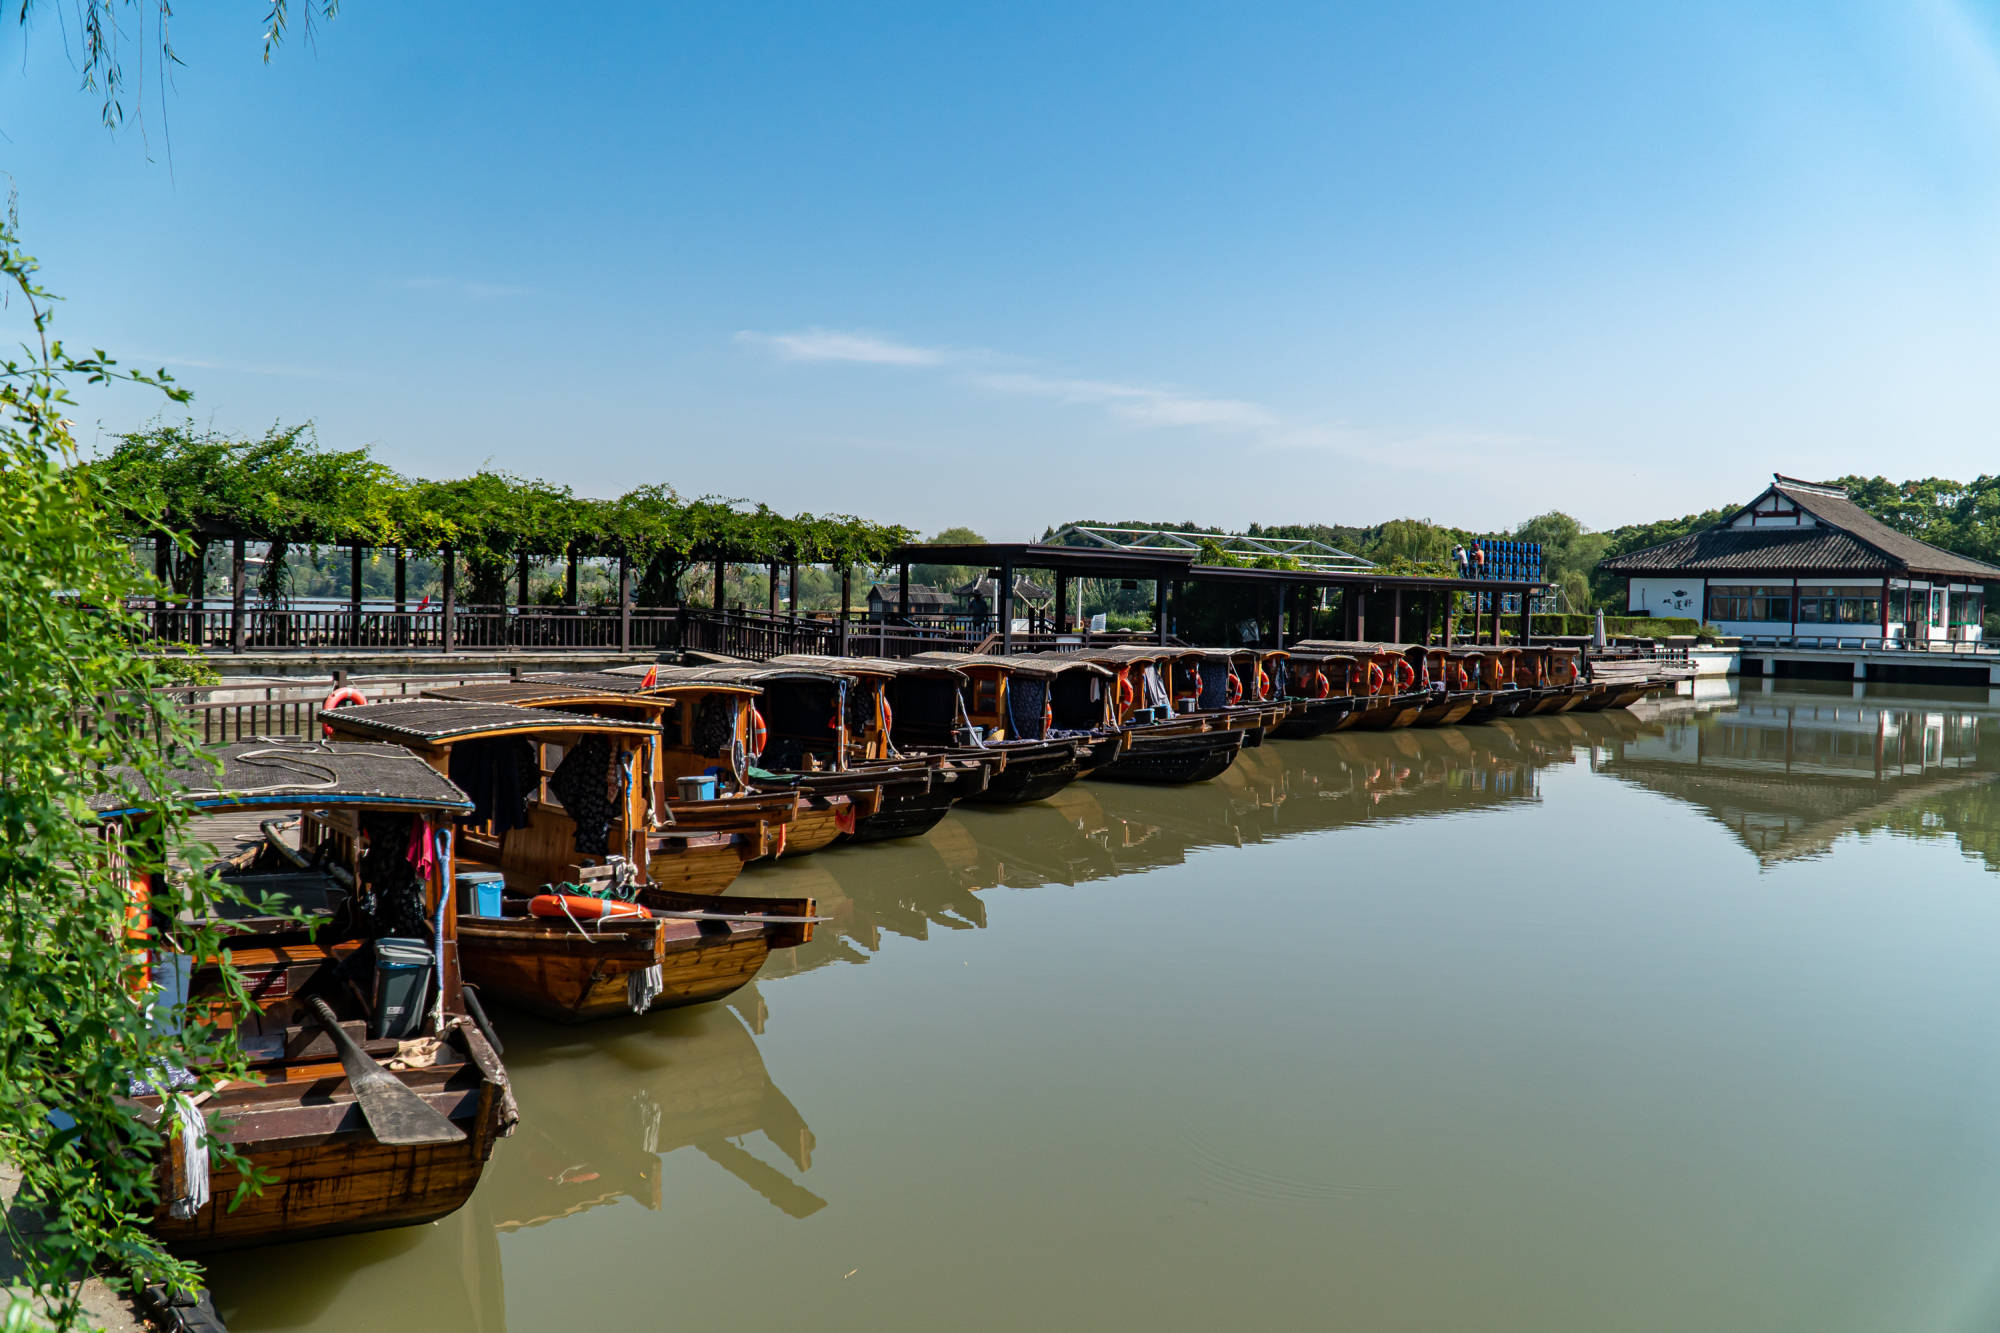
<point x="652" y="678"/>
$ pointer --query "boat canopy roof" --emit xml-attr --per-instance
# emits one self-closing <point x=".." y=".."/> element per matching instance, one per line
<point x="749" y="677"/>
<point x="293" y="773"/>
<point x="1047" y="664"/>
<point x="544" y="692"/>
<point x="1122" y="654"/>
<point x="870" y="666"/>
<point x="1360" y="647"/>
<point x="449" y="721"/>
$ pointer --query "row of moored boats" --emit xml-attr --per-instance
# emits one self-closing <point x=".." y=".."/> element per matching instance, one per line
<point x="559" y="844"/>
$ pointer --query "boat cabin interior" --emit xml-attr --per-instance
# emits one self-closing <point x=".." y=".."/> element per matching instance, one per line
<point x="1033" y="696"/>
<point x="916" y="702"/>
<point x="805" y="716"/>
<point x="553" y="793"/>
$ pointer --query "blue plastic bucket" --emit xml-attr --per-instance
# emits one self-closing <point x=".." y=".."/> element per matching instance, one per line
<point x="479" y="892"/>
<point x="697" y="789"/>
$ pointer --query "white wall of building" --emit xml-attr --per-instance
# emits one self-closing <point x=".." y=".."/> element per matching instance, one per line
<point x="1669" y="595"/>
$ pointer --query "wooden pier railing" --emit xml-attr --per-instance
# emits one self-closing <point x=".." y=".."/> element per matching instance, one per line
<point x="332" y="626"/>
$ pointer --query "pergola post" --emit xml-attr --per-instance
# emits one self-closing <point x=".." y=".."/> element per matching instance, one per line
<point x="1528" y="613"/>
<point x="793" y="600"/>
<point x="1360" y="615"/>
<point x="1450" y="613"/>
<point x="354" y="595"/>
<point x="720" y="602"/>
<point x="1062" y="601"/>
<point x="771" y="592"/>
<point x="570" y="593"/>
<point x="238" y="631"/>
<point x="1278" y="638"/>
<point x="846" y="601"/>
<point x="624" y="602"/>
<point x="1160" y="609"/>
<point x="521" y="581"/>
<point x="1003" y="598"/>
<point x="1395" y="615"/>
<point x="402" y="597"/>
<point x="448" y="600"/>
<point x="160" y="597"/>
<point x="198" y="603"/>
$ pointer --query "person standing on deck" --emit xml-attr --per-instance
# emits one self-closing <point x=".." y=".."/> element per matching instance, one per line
<point x="1478" y="561"/>
<point x="1463" y="560"/>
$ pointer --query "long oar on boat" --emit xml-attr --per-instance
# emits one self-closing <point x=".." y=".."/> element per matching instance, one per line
<point x="396" y="1115"/>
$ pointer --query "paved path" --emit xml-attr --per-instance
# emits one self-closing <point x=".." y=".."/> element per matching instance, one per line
<point x="106" y="1308"/>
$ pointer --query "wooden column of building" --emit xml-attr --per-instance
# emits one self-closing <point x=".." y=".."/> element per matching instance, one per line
<point x="1450" y="614"/>
<point x="1160" y="610"/>
<point x="1360" y="616"/>
<point x="1527" y="613"/>
<point x="1885" y="610"/>
<point x="1478" y="616"/>
<point x="448" y="599"/>
<point x="624" y="603"/>
<point x="1278" y="621"/>
<point x="1003" y="598"/>
<point x="571" y="593"/>
<point x="238" y="631"/>
<point x="1062" y="601"/>
<point x="1396" y="615"/>
<point x="903" y="590"/>
<point x="354" y="595"/>
<point x="1795" y="609"/>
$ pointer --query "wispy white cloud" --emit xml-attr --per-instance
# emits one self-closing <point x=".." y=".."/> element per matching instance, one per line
<point x="1145" y="405"/>
<point x="845" y="345"/>
<point x="229" y="367"/>
<point x="477" y="291"/>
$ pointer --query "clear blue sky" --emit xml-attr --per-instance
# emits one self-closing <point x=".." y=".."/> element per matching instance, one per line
<point x="1008" y="264"/>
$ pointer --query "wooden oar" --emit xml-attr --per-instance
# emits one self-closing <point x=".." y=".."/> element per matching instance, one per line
<point x="735" y="916"/>
<point x="396" y="1115"/>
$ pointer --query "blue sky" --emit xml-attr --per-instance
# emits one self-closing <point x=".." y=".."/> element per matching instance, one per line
<point x="1006" y="265"/>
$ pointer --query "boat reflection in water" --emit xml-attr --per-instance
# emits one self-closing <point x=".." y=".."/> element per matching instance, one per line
<point x="1789" y="770"/>
<point x="600" y="1109"/>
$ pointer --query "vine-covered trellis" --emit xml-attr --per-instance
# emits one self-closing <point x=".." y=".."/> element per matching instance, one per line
<point x="287" y="493"/>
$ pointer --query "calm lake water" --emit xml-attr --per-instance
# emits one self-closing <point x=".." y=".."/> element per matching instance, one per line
<point x="1682" y="1022"/>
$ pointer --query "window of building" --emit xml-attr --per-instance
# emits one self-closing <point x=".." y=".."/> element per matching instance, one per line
<point x="1826" y="605"/>
<point x="1968" y="608"/>
<point x="1750" y="602"/>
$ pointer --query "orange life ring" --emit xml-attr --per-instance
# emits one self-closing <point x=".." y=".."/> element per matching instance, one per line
<point x="344" y="697"/>
<point x="1263" y="683"/>
<point x="585" y="909"/>
<point x="888" y="718"/>
<point x="759" y="733"/>
<point x="1125" y="695"/>
<point x="1235" y="688"/>
<point x="1048" y="717"/>
<point x="1321" y="685"/>
<point x="1375" y="677"/>
<point x="138" y="933"/>
<point x="1406" y="675"/>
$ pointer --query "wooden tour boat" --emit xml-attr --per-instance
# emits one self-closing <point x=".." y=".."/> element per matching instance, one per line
<point x="367" y="1105"/>
<point x="562" y="814"/>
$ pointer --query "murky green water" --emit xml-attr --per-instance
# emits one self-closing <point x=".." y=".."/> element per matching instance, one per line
<point x="1564" y="1024"/>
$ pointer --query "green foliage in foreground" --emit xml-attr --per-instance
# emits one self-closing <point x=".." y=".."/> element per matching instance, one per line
<point x="74" y="702"/>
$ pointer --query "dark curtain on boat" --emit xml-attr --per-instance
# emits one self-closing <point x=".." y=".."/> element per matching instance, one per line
<point x="587" y="782"/>
<point x="499" y="775"/>
<point x="1079" y="700"/>
<point x="926" y="709"/>
<point x="799" y="717"/>
<point x="1214" y="683"/>
<point x="715" y="725"/>
<point x="392" y="897"/>
<point x="1025" y="697"/>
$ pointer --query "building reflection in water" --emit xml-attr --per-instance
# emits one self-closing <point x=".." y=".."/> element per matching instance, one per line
<point x="1790" y="770"/>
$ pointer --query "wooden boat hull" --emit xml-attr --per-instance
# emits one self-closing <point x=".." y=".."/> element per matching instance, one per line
<point x="1189" y="757"/>
<point x="1033" y="773"/>
<point x="328" y="1174"/>
<point x="1446" y="712"/>
<point x="698" y="863"/>
<point x="1387" y="714"/>
<point x="905" y="812"/>
<point x="1314" y="717"/>
<point x="1504" y="703"/>
<point x="551" y="968"/>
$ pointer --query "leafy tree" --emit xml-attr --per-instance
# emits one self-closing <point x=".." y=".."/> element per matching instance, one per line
<point x="81" y="716"/>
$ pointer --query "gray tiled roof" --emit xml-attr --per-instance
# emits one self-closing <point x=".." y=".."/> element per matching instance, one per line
<point x="1852" y="541"/>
